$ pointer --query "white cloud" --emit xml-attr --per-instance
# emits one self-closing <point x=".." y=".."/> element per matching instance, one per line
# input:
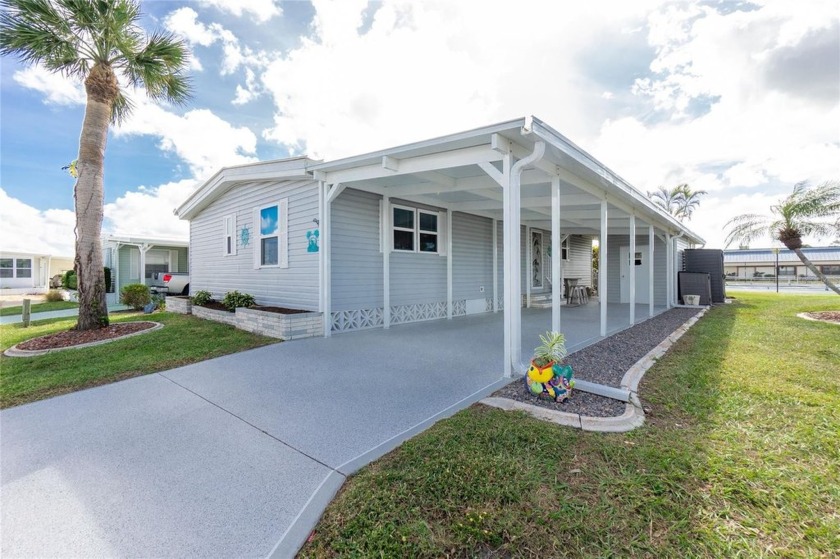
<point x="260" y="10"/>
<point x="422" y="69"/>
<point x="57" y="89"/>
<point x="24" y="228"/>
<point x="184" y="22"/>
<point x="199" y="137"/>
<point x="147" y="212"/>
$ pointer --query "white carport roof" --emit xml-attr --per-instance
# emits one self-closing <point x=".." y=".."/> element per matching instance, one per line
<point x="457" y="172"/>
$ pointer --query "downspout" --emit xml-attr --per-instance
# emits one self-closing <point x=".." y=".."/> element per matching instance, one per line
<point x="515" y="271"/>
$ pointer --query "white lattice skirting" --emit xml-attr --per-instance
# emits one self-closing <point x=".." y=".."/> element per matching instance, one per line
<point x="360" y="319"/>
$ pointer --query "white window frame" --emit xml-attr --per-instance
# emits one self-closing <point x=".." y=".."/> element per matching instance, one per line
<point x="416" y="230"/>
<point x="18" y="268"/>
<point x="566" y="245"/>
<point x="10" y="268"/>
<point x="229" y="235"/>
<point x="282" y="235"/>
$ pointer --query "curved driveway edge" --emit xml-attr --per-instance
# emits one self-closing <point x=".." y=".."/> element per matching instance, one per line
<point x="633" y="416"/>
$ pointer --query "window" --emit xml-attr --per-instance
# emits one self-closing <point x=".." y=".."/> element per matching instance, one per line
<point x="830" y="270"/>
<point x="15" y="267"/>
<point x="416" y="230"/>
<point x="787" y="270"/>
<point x="229" y="228"/>
<point x="272" y="225"/>
<point x="24" y="268"/>
<point x="564" y="248"/>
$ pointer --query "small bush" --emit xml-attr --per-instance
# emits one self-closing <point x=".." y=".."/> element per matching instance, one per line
<point x="69" y="281"/>
<point x="135" y="295"/>
<point x="160" y="301"/>
<point x="201" y="298"/>
<point x="54" y="296"/>
<point x="235" y="299"/>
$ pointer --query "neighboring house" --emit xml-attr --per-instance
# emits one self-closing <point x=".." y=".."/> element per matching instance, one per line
<point x="135" y="259"/>
<point x="451" y="226"/>
<point x="28" y="272"/>
<point x="760" y="262"/>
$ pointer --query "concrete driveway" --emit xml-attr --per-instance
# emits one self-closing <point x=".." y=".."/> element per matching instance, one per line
<point x="236" y="456"/>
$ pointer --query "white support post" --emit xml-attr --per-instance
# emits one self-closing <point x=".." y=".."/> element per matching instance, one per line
<point x="602" y="268"/>
<point x="529" y="266"/>
<point x="449" y="264"/>
<point x="321" y="204"/>
<point x="326" y="251"/>
<point x="507" y="235"/>
<point x="651" y="242"/>
<point x="495" y="265"/>
<point x="669" y="262"/>
<point x="556" y="255"/>
<point x="632" y="264"/>
<point x="387" y="215"/>
<point x="143" y="250"/>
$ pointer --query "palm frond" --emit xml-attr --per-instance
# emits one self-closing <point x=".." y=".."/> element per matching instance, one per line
<point x="159" y="66"/>
<point x="748" y="227"/>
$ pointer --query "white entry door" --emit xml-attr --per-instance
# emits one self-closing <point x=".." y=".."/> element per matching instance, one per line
<point x="640" y="261"/>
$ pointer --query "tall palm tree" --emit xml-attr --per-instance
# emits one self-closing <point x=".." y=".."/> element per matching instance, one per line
<point x="679" y="201"/>
<point x="807" y="211"/>
<point x="97" y="42"/>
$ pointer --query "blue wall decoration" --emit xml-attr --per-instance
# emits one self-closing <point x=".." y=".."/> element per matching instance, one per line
<point x="244" y="236"/>
<point x="312" y="237"/>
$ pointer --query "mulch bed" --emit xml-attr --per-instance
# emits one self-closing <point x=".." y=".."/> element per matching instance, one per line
<point x="279" y="310"/>
<point x="75" y="337"/>
<point x="831" y="316"/>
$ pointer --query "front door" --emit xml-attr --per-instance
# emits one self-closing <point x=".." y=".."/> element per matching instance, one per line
<point x="640" y="262"/>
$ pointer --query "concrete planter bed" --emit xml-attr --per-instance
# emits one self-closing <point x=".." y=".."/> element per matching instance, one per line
<point x="284" y="324"/>
<point x="180" y="305"/>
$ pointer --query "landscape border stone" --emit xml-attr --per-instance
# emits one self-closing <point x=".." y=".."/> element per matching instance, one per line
<point x="15" y="352"/>
<point x="633" y="416"/>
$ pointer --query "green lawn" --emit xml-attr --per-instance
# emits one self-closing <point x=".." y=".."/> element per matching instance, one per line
<point x="40" y="307"/>
<point x="739" y="457"/>
<point x="182" y="340"/>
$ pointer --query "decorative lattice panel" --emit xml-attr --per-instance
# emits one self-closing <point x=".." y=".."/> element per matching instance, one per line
<point x="459" y="308"/>
<point x="488" y="304"/>
<point x="359" y="319"/>
<point x="417" y="312"/>
<point x="500" y="304"/>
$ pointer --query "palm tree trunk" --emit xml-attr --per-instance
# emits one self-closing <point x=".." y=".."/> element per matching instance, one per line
<point x="89" y="194"/>
<point x="816" y="271"/>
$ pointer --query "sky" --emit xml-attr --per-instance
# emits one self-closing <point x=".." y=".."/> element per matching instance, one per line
<point x="737" y="98"/>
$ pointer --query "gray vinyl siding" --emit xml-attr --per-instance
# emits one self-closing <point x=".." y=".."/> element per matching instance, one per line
<point x="614" y="245"/>
<point x="472" y="257"/>
<point x="579" y="264"/>
<point x="356" y="259"/>
<point x="126" y="253"/>
<point x="293" y="287"/>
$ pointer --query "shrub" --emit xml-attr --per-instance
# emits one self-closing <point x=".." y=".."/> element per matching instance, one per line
<point x="135" y="295"/>
<point x="201" y="298"/>
<point x="235" y="299"/>
<point x="69" y="280"/>
<point x="54" y="296"/>
<point x="159" y="300"/>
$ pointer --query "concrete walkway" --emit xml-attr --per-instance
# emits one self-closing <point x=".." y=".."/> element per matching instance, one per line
<point x="238" y="456"/>
<point x="16" y="318"/>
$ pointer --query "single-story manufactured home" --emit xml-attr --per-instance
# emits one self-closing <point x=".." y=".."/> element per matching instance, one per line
<point x="29" y="272"/>
<point x="483" y="221"/>
<point x="135" y="259"/>
<point x="747" y="264"/>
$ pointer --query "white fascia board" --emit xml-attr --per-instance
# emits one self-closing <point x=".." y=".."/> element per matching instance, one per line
<point x="629" y="194"/>
<point x="375" y="158"/>
<point x="227" y="177"/>
<point x="421" y="163"/>
<point x="140" y="241"/>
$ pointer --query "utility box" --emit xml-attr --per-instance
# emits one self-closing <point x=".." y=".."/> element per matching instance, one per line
<point x="708" y="261"/>
<point x="695" y="283"/>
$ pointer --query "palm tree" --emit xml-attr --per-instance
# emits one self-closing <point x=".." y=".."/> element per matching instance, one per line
<point x="807" y="211"/>
<point x="679" y="201"/>
<point x="93" y="41"/>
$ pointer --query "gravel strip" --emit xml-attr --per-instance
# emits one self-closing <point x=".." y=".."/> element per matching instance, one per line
<point x="605" y="362"/>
